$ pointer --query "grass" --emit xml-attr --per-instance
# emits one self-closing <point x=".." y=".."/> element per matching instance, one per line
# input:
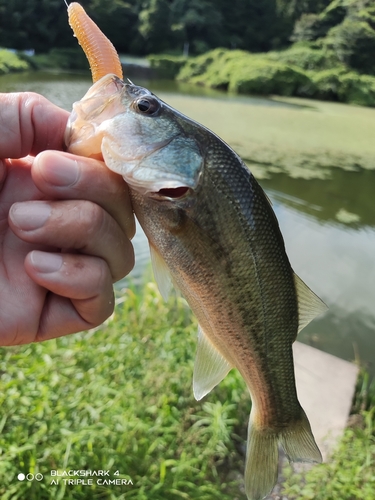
<point x="119" y="398"/>
<point x="350" y="475"/>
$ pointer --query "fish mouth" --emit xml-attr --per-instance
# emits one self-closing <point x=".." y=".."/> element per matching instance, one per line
<point x="176" y="193"/>
<point x="101" y="102"/>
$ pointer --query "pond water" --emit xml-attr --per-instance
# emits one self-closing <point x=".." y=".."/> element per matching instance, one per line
<point x="316" y="161"/>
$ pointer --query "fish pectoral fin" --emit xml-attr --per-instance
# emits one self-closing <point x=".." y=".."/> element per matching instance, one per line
<point x="309" y="304"/>
<point x="210" y="366"/>
<point x="162" y="274"/>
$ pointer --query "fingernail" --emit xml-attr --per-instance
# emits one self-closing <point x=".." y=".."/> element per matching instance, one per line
<point x="30" y="215"/>
<point x="45" y="262"/>
<point x="58" y="169"/>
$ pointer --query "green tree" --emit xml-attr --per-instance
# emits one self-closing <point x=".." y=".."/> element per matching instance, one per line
<point x="353" y="41"/>
<point x="38" y="24"/>
<point x="118" y="19"/>
<point x="311" y="26"/>
<point x="154" y="26"/>
<point x="290" y="11"/>
<point x="198" y="23"/>
<point x="346" y="27"/>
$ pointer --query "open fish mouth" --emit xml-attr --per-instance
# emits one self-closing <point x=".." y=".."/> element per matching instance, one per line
<point x="173" y="193"/>
<point x="101" y="102"/>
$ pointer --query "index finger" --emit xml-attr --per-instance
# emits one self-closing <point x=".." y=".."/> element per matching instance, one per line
<point x="29" y="124"/>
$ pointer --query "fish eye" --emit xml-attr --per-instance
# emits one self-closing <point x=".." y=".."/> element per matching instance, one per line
<point x="148" y="106"/>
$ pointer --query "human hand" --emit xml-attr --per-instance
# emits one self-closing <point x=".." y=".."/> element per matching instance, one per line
<point x="65" y="227"/>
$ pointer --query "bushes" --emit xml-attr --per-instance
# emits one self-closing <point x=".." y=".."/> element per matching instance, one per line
<point x="305" y="57"/>
<point x="268" y="77"/>
<point x="242" y="72"/>
<point x="327" y="84"/>
<point x="301" y="71"/>
<point x="166" y="66"/>
<point x="349" y="87"/>
<point x="215" y="68"/>
<point x="357" y="89"/>
<point x="11" y="62"/>
<point x="66" y="59"/>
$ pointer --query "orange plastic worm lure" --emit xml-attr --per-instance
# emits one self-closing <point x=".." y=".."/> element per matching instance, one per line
<point x="99" y="50"/>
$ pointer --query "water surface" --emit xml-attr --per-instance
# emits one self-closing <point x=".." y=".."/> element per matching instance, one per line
<point x="316" y="162"/>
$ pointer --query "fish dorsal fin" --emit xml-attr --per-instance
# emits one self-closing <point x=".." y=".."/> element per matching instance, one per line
<point x="161" y="273"/>
<point x="210" y="367"/>
<point x="309" y="304"/>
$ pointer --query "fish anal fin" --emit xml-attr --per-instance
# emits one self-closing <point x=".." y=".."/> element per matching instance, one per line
<point x="210" y="366"/>
<point x="161" y="273"/>
<point x="309" y="304"/>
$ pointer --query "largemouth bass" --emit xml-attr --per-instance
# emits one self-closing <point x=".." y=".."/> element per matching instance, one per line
<point x="214" y="235"/>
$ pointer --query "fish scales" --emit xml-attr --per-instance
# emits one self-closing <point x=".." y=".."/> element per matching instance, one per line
<point x="212" y="228"/>
<point x="252" y="306"/>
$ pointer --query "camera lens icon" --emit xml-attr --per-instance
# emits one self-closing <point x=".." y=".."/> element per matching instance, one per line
<point x="30" y="477"/>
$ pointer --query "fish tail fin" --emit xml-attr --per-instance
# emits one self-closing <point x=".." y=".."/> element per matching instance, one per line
<point x="262" y="460"/>
<point x="262" y="457"/>
<point x="298" y="442"/>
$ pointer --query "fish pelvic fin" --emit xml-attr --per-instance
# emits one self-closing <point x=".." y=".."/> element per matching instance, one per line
<point x="210" y="366"/>
<point x="262" y="457"/>
<point x="161" y="273"/>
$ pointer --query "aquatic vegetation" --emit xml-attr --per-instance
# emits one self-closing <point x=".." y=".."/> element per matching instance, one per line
<point x="302" y="138"/>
